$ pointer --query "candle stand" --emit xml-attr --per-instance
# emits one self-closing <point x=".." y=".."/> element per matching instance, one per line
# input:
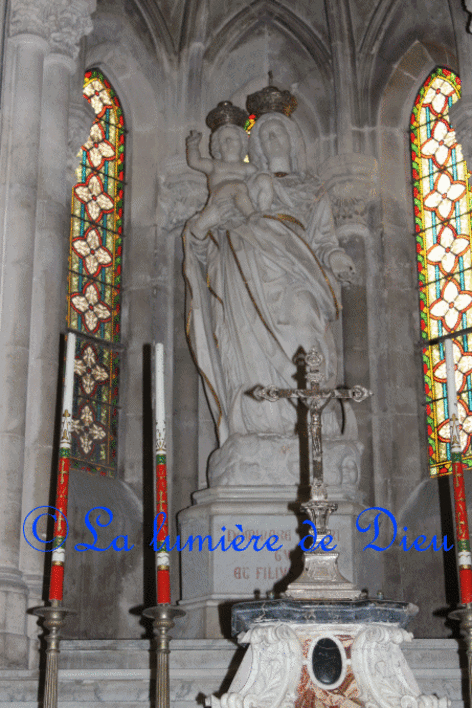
<point x="163" y="619"/>
<point x="54" y="618"/>
<point x="464" y="615"/>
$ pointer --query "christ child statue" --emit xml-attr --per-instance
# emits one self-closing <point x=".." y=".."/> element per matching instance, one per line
<point x="227" y="173"/>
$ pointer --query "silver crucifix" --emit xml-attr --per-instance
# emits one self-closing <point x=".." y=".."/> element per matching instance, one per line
<point x="316" y="399"/>
<point x="320" y="578"/>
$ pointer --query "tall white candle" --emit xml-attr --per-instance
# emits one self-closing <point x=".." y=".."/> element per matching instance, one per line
<point x="452" y="396"/>
<point x="160" y="399"/>
<point x="68" y="391"/>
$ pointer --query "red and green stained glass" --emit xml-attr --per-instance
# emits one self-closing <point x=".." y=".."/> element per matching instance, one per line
<point x="94" y="300"/>
<point x="442" y="204"/>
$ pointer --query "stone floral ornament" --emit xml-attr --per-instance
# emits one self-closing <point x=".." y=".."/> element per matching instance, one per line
<point x="465" y="427"/>
<point x="90" y="371"/>
<point x="445" y="253"/>
<point x="462" y="367"/>
<point x="92" y="194"/>
<point x="439" y="145"/>
<point x="98" y="147"/>
<point x="87" y="429"/>
<point x="90" y="249"/>
<point x="89" y="304"/>
<point x="437" y="97"/>
<point x="443" y="197"/>
<point x="450" y="307"/>
<point x="98" y="97"/>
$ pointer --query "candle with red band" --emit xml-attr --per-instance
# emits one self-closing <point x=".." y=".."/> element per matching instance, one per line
<point x="464" y="557"/>
<point x="162" y="559"/>
<point x="62" y="490"/>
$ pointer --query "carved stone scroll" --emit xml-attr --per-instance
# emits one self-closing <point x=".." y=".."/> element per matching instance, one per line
<point x="274" y="673"/>
<point x="383" y="676"/>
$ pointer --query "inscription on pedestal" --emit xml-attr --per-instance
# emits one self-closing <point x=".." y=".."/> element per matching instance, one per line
<point x="251" y="571"/>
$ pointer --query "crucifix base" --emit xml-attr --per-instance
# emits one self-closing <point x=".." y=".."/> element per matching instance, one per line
<point x="321" y="579"/>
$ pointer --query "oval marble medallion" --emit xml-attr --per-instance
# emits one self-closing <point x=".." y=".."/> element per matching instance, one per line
<point x="327" y="661"/>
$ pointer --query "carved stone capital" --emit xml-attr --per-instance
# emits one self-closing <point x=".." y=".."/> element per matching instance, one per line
<point x="69" y="22"/>
<point x="30" y="17"/>
<point x="351" y="181"/>
<point x="60" y="22"/>
<point x="468" y="7"/>
<point x="182" y="193"/>
<point x="460" y="114"/>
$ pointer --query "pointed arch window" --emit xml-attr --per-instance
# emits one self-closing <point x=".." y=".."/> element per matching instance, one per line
<point x="442" y="204"/>
<point x="94" y="282"/>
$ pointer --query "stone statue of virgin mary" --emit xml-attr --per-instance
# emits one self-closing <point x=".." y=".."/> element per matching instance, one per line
<point x="260" y="286"/>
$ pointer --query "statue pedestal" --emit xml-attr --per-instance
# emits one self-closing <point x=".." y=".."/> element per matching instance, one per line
<point x="213" y="581"/>
<point x="308" y="653"/>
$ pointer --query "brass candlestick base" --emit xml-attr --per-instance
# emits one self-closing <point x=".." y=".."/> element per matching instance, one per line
<point x="163" y="620"/>
<point x="464" y="614"/>
<point x="54" y="618"/>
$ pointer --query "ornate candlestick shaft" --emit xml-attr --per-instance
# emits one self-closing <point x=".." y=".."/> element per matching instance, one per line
<point x="62" y="490"/>
<point x="54" y="616"/>
<point x="320" y="578"/>
<point x="54" y="619"/>
<point x="163" y="614"/>
<point x="163" y="620"/>
<point x="162" y="558"/>
<point x="464" y="613"/>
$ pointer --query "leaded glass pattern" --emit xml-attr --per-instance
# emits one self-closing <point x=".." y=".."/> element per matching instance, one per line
<point x="442" y="203"/>
<point x="94" y="289"/>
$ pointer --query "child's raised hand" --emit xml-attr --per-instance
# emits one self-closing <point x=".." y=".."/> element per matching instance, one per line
<point x="193" y="138"/>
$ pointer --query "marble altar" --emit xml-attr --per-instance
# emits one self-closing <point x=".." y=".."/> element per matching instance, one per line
<point x="302" y="653"/>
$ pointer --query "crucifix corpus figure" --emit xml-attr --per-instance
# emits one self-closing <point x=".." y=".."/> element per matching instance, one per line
<point x="320" y="579"/>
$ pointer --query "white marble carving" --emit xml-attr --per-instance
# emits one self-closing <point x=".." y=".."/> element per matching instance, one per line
<point x="383" y="676"/>
<point x="275" y="459"/>
<point x="269" y="674"/>
<point x="261" y="286"/>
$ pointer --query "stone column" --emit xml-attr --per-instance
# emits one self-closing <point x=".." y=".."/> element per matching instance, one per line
<point x="26" y="50"/>
<point x="35" y="129"/>
<point x="344" y="71"/>
<point x="51" y="246"/>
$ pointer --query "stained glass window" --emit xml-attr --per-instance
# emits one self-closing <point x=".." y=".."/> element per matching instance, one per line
<point x="94" y="287"/>
<point x="442" y="204"/>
